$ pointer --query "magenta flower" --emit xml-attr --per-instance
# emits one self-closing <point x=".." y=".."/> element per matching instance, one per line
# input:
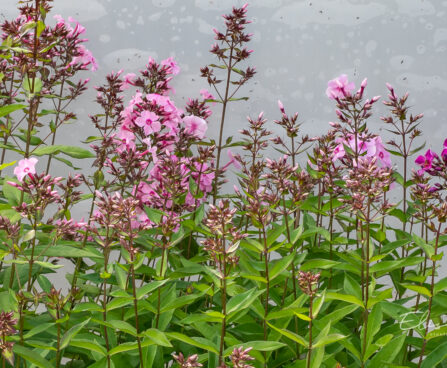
<point x="426" y="161"/>
<point x="25" y="167"/>
<point x="444" y="152"/>
<point x="339" y="87"/>
<point x="195" y="126"/>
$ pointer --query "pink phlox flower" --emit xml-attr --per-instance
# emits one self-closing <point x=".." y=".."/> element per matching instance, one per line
<point x="151" y="149"/>
<point x="206" y="179"/>
<point x="148" y="120"/>
<point x="173" y="127"/>
<point x="338" y="153"/>
<point x="339" y="87"/>
<point x="206" y="95"/>
<point x="172" y="65"/>
<point x="25" y="167"/>
<point x="85" y="58"/>
<point x="233" y="161"/>
<point x="129" y="80"/>
<point x="195" y="126"/>
<point x="136" y="99"/>
<point x="73" y="32"/>
<point x="375" y="148"/>
<point x="127" y="138"/>
<point x="426" y="161"/>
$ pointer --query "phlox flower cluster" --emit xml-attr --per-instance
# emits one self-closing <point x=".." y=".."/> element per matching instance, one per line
<point x="154" y="126"/>
<point x="83" y="57"/>
<point x="369" y="147"/>
<point x="430" y="161"/>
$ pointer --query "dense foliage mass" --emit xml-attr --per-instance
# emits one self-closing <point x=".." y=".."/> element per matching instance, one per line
<point x="301" y="266"/>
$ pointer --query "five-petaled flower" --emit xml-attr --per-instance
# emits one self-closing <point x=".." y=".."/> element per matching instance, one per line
<point x="339" y="87"/>
<point x="25" y="167"/>
<point x="195" y="126"/>
<point x="426" y="161"/>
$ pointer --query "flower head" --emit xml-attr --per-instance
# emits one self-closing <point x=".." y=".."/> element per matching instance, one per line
<point x="426" y="161"/>
<point x="25" y="167"/>
<point x="339" y="87"/>
<point x="195" y="126"/>
<point x="172" y="65"/>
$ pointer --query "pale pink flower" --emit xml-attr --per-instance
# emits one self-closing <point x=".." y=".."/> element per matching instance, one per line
<point x="127" y="139"/>
<point x="339" y="87"/>
<point x="375" y="148"/>
<point x="148" y="120"/>
<point x="129" y="80"/>
<point x="206" y="95"/>
<point x="169" y="62"/>
<point x="85" y="58"/>
<point x="195" y="126"/>
<point x="25" y="167"/>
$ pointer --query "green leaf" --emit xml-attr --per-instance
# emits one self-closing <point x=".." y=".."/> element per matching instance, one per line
<point x="63" y="251"/>
<point x="419" y="289"/>
<point x="242" y="300"/>
<point x="31" y="86"/>
<point x="72" y="332"/>
<point x="441" y="331"/>
<point x="157" y="337"/>
<point x="256" y="345"/>
<point x="38" y="329"/>
<point x="346" y="298"/>
<point x="122" y="326"/>
<point x="374" y="323"/>
<point x="129" y="346"/>
<point x="437" y="356"/>
<point x="148" y="288"/>
<point x="292" y="336"/>
<point x="386" y="356"/>
<point x="388" y="266"/>
<point x="329" y="339"/>
<point x="440" y="286"/>
<point x="317" y="304"/>
<point x="274" y="234"/>
<point x="119" y="303"/>
<point x="121" y="277"/>
<point x="88" y="345"/>
<point x="31" y="356"/>
<point x="4" y="166"/>
<point x="318" y="263"/>
<point x="12" y="194"/>
<point x="337" y="315"/>
<point x="208" y="345"/>
<point x="280" y="265"/>
<point x="72" y="151"/>
<point x="8" y="109"/>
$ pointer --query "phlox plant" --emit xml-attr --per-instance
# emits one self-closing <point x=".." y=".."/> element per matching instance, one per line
<point x="306" y="263"/>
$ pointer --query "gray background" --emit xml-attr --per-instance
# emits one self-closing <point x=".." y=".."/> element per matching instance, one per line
<point x="298" y="46"/>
